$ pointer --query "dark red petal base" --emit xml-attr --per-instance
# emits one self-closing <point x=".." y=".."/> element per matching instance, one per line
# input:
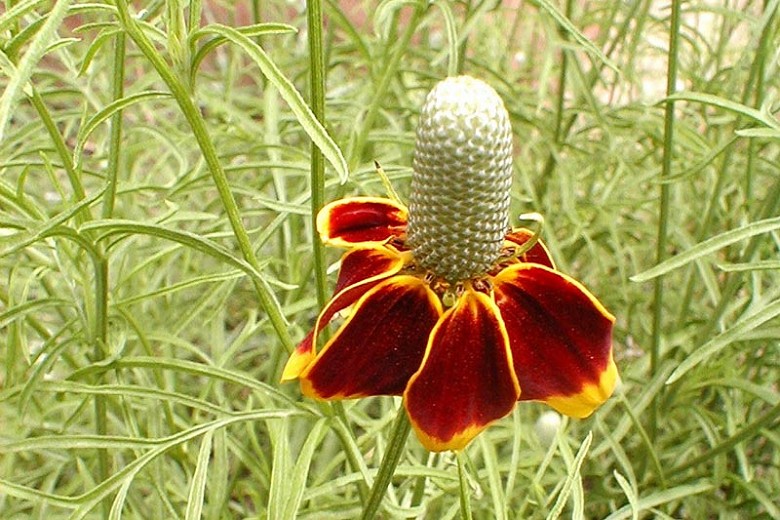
<point x="466" y="380"/>
<point x="361" y="269"/>
<point x="381" y="344"/>
<point x="361" y="220"/>
<point x="560" y="336"/>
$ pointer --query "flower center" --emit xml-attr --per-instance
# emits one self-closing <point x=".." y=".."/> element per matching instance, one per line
<point x="459" y="203"/>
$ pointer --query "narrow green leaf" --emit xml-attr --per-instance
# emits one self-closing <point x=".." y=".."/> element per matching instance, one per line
<point x="31" y="307"/>
<point x="754" y="490"/>
<point x="17" y="10"/>
<point x="725" y="339"/>
<point x="726" y="104"/>
<point x="765" y="133"/>
<point x="572" y="479"/>
<point x="390" y="459"/>
<point x="14" y="489"/>
<point x="660" y="498"/>
<point x="89" y="500"/>
<point x="277" y="495"/>
<point x="300" y="472"/>
<point x="575" y="33"/>
<point x="251" y="30"/>
<point x="96" y="45"/>
<point x="197" y="491"/>
<point x="188" y="367"/>
<point x="290" y="94"/>
<point x="123" y="391"/>
<point x="33" y="234"/>
<point x="452" y="36"/>
<point x="117" y="226"/>
<point x="187" y="284"/>
<point x="630" y="494"/>
<point x="220" y="483"/>
<point x="104" y="114"/>
<point x="709" y="246"/>
<point x="766" y="265"/>
<point x="18" y="82"/>
<point x="494" y="478"/>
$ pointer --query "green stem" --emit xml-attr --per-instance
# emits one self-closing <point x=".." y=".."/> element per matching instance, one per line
<point x="115" y="138"/>
<point x="465" y="496"/>
<point x="317" y="102"/>
<point x="199" y="130"/>
<point x="756" y="77"/>
<point x="765" y="421"/>
<point x="401" y="429"/>
<point x="317" y="84"/>
<point x="390" y="72"/>
<point x="100" y="341"/>
<point x="64" y="154"/>
<point x="734" y="283"/>
<point x="663" y="211"/>
<point x="552" y="161"/>
<point x="593" y="76"/>
<point x="198" y="126"/>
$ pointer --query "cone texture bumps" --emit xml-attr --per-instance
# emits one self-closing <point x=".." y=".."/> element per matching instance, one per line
<point x="459" y="204"/>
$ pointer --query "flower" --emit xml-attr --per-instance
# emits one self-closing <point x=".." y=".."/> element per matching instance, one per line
<point x="449" y="308"/>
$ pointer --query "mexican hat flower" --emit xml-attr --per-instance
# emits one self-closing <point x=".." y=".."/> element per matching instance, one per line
<point x="447" y="306"/>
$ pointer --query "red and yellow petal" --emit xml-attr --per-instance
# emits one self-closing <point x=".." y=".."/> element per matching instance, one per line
<point x="361" y="221"/>
<point x="361" y="269"/>
<point x="560" y="336"/>
<point x="381" y="344"/>
<point x="466" y="380"/>
<point x="538" y="254"/>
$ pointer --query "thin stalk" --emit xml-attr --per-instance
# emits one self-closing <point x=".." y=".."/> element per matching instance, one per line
<point x="390" y="72"/>
<point x="317" y="85"/>
<point x="100" y="341"/>
<point x="199" y="130"/>
<point x="663" y="210"/>
<point x="766" y="421"/>
<point x="201" y="134"/>
<point x="115" y="137"/>
<point x="317" y="102"/>
<point x="756" y="77"/>
<point x="594" y="75"/>
<point x="551" y="162"/>
<point x="79" y="193"/>
<point x="764" y="49"/>
<point x="734" y="283"/>
<point x="465" y="43"/>
<point x="401" y="429"/>
<point x="465" y="496"/>
<point x="193" y="18"/>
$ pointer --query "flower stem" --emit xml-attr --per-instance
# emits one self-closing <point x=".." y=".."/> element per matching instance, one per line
<point x="663" y="210"/>
<point x="208" y="149"/>
<point x="390" y="72"/>
<point x="115" y="140"/>
<point x="317" y="102"/>
<point x="401" y="429"/>
<point x="465" y="497"/>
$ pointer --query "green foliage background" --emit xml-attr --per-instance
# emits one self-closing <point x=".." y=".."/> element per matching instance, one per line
<point x="157" y="260"/>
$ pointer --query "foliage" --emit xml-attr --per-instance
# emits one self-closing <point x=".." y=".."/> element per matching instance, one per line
<point x="157" y="181"/>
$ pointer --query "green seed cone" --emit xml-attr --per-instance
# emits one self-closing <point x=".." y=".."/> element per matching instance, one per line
<point x="459" y="204"/>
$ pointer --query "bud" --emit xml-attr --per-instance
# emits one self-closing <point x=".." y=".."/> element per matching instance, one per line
<point x="459" y="203"/>
<point x="546" y="427"/>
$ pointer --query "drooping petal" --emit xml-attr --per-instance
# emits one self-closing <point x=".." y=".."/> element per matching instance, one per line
<point x="466" y="380"/>
<point x="361" y="269"/>
<point x="538" y="254"/>
<point x="361" y="221"/>
<point x="381" y="344"/>
<point x="560" y="336"/>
